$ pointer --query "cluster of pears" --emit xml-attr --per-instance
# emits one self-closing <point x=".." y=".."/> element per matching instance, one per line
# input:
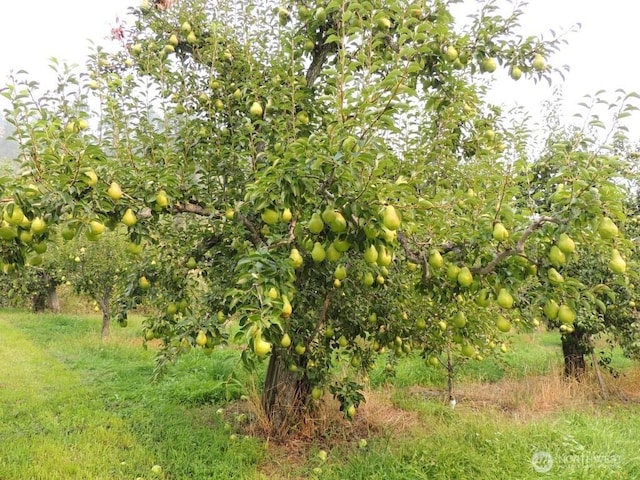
<point x="16" y="226"/>
<point x="608" y="230"/>
<point x="460" y="275"/>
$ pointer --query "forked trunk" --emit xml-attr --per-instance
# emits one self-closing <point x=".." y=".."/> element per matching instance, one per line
<point x="574" y="347"/>
<point x="285" y="395"/>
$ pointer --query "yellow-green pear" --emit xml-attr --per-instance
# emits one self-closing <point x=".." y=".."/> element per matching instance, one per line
<point x="339" y="224"/>
<point x="464" y="278"/>
<point x="269" y="216"/>
<point x="566" y="244"/>
<point x="371" y="254"/>
<point x="287" y="309"/>
<point x="256" y="109"/>
<point x="538" y="63"/>
<point x="505" y="300"/>
<point x="162" y="201"/>
<point x="565" y="314"/>
<point x="368" y="279"/>
<point x="13" y="214"/>
<point x="342" y="245"/>
<point x="384" y="256"/>
<point x="201" y="338"/>
<point x="129" y="218"/>
<point x="556" y="256"/>
<point x="551" y="309"/>
<point x="435" y="259"/>
<point x="96" y="228"/>
<point x="318" y="254"/>
<point x="328" y="215"/>
<point x="90" y="177"/>
<point x="459" y="319"/>
<point x="607" y="228"/>
<point x="260" y="346"/>
<point x="390" y="218"/>
<point x="500" y="233"/>
<point x="316" y="224"/>
<point x="296" y="258"/>
<point x="617" y="263"/>
<point x="285" y="341"/>
<point x="333" y="255"/>
<point x="554" y="276"/>
<point x="340" y="272"/>
<point x="452" y="272"/>
<point x="114" y="191"/>
<point x="503" y="324"/>
<point x="286" y="215"/>
<point x="38" y="226"/>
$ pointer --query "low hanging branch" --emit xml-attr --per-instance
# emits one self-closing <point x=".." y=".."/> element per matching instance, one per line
<point x="517" y="249"/>
<point x="422" y="259"/>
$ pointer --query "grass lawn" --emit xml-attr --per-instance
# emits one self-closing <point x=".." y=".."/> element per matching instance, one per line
<point x="74" y="407"/>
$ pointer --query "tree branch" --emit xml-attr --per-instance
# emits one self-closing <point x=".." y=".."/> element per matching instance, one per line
<point x="518" y="249"/>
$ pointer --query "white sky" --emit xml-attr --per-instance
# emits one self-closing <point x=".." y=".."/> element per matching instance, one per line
<point x="602" y="55"/>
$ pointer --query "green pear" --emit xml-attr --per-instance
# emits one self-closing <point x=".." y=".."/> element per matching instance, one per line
<point x="318" y="253"/>
<point x="459" y="319"/>
<point x="452" y="272"/>
<point x="287" y="309"/>
<point x="551" y="309"/>
<point x="607" y="228"/>
<point x="505" y="300"/>
<point x="340" y="272"/>
<point x="554" y="276"/>
<point x="500" y="233"/>
<point x="269" y="216"/>
<point x="566" y="244"/>
<point x="38" y="226"/>
<point x="556" y="256"/>
<point x="371" y="254"/>
<point x="384" y="256"/>
<point x="316" y="224"/>
<point x="339" y="224"/>
<point x="565" y="314"/>
<point x="129" y="218"/>
<point x="390" y="218"/>
<point x="464" y="278"/>
<point x="435" y="259"/>
<point x="296" y="258"/>
<point x="538" y="63"/>
<point x="617" y="263"/>
<point x="333" y="255"/>
<point x="256" y="109"/>
<point x="503" y="324"/>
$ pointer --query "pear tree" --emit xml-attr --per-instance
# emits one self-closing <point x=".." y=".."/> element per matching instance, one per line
<point x="327" y="176"/>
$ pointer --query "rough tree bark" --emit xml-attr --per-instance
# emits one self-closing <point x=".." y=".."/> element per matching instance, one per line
<point x="47" y="298"/>
<point x="575" y="346"/>
<point x="285" y="395"/>
<point x="106" y="314"/>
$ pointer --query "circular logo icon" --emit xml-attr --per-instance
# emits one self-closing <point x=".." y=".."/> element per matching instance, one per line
<point x="542" y="461"/>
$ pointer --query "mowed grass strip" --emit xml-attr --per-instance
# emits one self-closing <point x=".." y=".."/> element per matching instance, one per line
<point x="74" y="407"/>
<point x="52" y="426"/>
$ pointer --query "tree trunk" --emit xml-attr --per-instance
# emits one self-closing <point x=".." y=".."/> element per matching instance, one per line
<point x="53" y="302"/>
<point x="285" y="395"/>
<point x="106" y="314"/>
<point x="39" y="302"/>
<point x="574" y="347"/>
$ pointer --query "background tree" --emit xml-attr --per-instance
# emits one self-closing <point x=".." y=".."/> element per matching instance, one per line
<point x="330" y="174"/>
